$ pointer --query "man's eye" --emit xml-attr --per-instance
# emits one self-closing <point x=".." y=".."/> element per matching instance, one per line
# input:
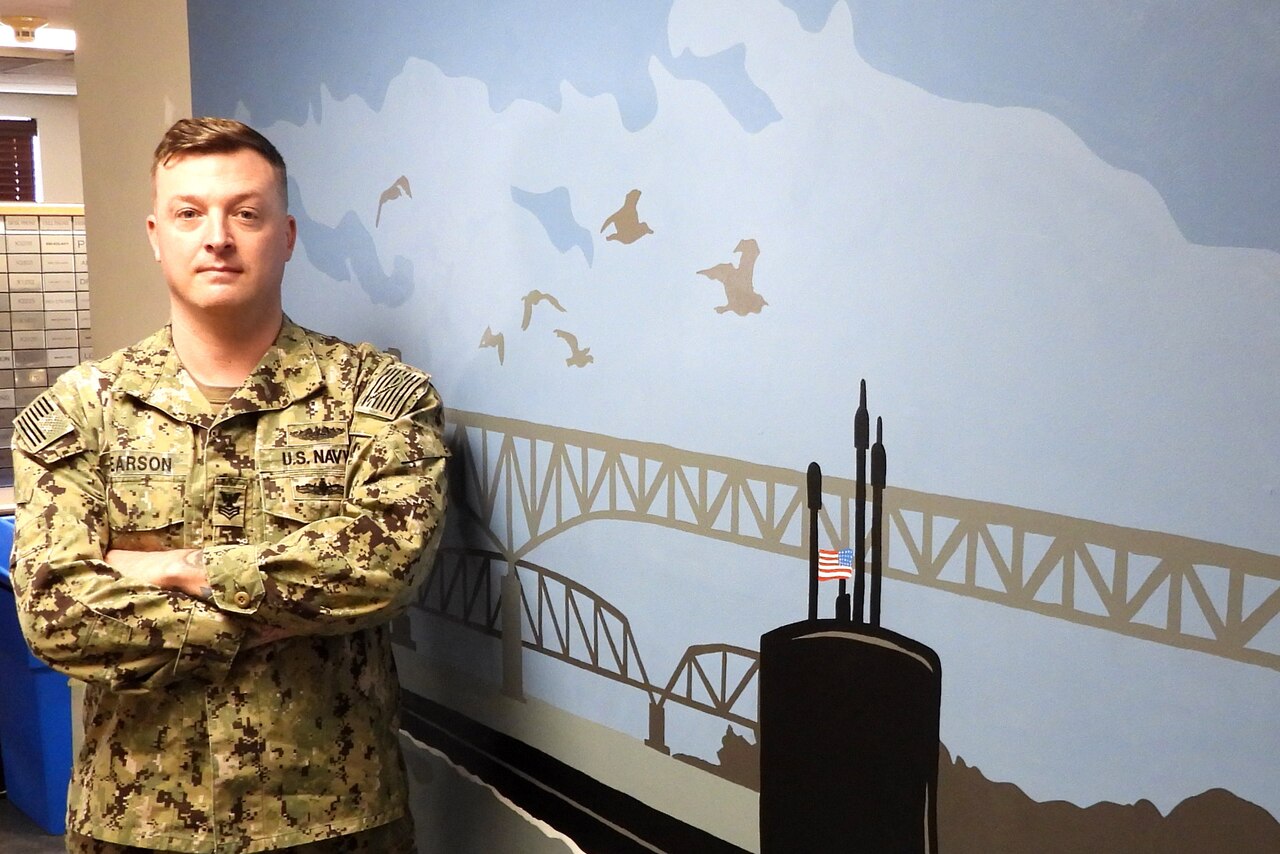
<point x="247" y="216"/>
<point x="186" y="213"/>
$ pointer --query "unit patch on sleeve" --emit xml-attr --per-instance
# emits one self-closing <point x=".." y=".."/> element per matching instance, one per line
<point x="391" y="391"/>
<point x="40" y="423"/>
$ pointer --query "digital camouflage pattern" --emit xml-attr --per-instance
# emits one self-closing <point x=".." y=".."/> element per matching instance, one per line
<point x="316" y="495"/>
<point x="393" y="838"/>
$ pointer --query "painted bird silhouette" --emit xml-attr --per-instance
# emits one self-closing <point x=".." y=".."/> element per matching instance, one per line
<point x="494" y="339"/>
<point x="739" y="291"/>
<point x="626" y="221"/>
<point x="401" y="185"/>
<point x="531" y="299"/>
<point x="578" y="356"/>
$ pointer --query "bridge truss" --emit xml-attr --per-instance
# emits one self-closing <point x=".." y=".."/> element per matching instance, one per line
<point x="560" y="618"/>
<point x="524" y="483"/>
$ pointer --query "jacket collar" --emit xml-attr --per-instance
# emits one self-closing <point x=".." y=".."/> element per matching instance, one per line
<point x="287" y="372"/>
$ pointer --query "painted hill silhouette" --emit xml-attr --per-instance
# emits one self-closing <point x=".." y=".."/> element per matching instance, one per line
<point x="981" y="816"/>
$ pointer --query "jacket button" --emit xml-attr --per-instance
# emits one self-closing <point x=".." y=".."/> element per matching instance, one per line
<point x="242" y="599"/>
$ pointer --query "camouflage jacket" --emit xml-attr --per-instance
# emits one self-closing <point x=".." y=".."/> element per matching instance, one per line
<point x="316" y="496"/>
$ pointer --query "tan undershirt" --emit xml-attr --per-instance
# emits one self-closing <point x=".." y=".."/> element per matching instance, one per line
<point x="217" y="395"/>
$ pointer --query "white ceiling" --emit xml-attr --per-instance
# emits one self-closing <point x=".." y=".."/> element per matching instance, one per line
<point x="23" y="70"/>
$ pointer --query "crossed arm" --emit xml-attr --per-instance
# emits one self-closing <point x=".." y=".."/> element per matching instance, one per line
<point x="140" y="619"/>
<point x="176" y="569"/>
<point x="182" y="570"/>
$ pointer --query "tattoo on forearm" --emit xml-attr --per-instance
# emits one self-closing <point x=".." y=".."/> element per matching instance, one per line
<point x="195" y="559"/>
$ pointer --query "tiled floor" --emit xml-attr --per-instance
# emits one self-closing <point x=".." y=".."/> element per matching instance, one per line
<point x="21" y="835"/>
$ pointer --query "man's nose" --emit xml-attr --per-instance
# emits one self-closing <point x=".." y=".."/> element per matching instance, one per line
<point x="217" y="236"/>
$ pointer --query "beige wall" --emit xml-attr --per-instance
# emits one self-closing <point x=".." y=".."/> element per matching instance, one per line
<point x="59" y="130"/>
<point x="133" y="76"/>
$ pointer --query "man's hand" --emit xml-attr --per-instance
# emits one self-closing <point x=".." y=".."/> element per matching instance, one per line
<point x="182" y="570"/>
<point x="175" y="569"/>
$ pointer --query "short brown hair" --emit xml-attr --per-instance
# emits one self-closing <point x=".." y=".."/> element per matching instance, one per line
<point x="212" y="135"/>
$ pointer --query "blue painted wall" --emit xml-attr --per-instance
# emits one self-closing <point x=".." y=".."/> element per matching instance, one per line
<point x="1046" y="234"/>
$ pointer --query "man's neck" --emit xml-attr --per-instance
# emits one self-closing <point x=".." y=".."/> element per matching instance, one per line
<point x="223" y="354"/>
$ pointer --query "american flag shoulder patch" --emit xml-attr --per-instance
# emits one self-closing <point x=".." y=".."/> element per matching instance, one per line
<point x="392" y="390"/>
<point x="40" y="424"/>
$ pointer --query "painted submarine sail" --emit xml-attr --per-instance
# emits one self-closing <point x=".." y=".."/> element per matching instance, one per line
<point x="849" y="710"/>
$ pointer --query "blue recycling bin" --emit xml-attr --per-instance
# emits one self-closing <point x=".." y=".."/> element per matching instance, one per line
<point x="35" y="715"/>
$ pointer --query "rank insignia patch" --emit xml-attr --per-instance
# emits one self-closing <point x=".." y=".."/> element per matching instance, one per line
<point x="391" y="391"/>
<point x="40" y="423"/>
<point x="228" y="504"/>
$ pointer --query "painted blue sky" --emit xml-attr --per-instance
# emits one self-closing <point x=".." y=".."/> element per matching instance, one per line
<point x="1196" y="116"/>
<point x="520" y="49"/>
<point x="347" y="251"/>
<point x="554" y="209"/>
<point x="1195" y="113"/>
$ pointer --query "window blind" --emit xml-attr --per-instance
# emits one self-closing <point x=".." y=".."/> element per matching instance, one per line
<point x="17" y="160"/>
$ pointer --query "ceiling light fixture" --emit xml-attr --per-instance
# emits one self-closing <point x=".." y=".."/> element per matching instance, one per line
<point x="26" y="31"/>
<point x="24" y="26"/>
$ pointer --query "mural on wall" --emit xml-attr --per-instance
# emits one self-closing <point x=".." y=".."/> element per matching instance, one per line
<point x="739" y="288"/>
<point x="627" y="227"/>
<point x="848" y="709"/>
<point x="398" y="188"/>
<point x="649" y="251"/>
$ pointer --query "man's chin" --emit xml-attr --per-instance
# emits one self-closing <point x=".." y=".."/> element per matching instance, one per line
<point x="228" y="305"/>
<point x="220" y="302"/>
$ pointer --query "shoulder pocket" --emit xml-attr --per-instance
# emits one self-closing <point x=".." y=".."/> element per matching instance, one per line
<point x="421" y="445"/>
<point x="48" y="457"/>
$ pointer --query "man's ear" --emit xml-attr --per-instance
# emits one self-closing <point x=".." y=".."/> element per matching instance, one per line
<point x="151" y="236"/>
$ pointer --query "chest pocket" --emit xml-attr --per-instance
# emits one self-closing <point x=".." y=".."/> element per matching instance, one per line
<point x="302" y="480"/>
<point x="145" y="511"/>
<point x="303" y="497"/>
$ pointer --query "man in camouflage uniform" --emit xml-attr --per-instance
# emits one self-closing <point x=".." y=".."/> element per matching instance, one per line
<point x="214" y="527"/>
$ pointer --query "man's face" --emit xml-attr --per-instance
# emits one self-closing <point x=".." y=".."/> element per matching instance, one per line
<point x="221" y="233"/>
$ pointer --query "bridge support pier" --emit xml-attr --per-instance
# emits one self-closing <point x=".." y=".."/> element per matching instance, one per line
<point x="658" y="728"/>
<point x="512" y="636"/>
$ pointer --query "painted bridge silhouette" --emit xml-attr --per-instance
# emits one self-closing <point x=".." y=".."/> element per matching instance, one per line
<point x="518" y="484"/>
